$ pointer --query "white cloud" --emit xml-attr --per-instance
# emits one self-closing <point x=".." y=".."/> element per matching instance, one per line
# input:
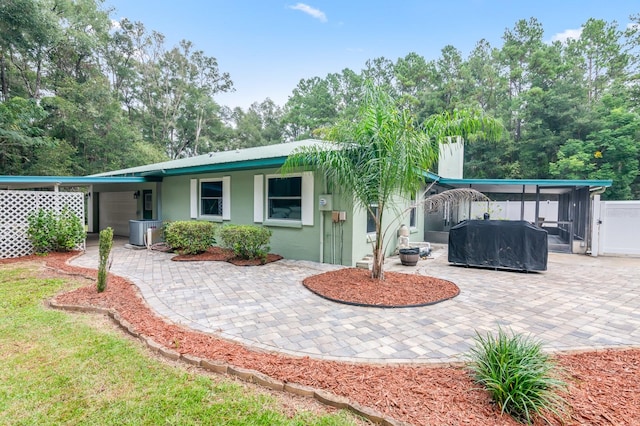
<point x="312" y="11"/>
<point x="633" y="26"/>
<point x="566" y="35"/>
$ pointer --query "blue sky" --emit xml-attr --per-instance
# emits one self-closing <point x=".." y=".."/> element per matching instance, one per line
<point x="267" y="46"/>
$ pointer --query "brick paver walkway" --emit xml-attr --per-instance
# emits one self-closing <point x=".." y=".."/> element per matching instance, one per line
<point x="579" y="303"/>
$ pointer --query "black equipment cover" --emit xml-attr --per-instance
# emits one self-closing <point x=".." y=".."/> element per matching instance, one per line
<point x="512" y="244"/>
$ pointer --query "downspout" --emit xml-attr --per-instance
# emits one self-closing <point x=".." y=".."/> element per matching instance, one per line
<point x="90" y="211"/>
<point x="321" y="236"/>
<point x="322" y="223"/>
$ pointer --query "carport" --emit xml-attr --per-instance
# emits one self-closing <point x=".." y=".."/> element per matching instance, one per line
<point x="562" y="207"/>
<point x="109" y="201"/>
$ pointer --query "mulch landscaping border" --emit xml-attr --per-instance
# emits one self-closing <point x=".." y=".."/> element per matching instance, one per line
<point x="248" y="375"/>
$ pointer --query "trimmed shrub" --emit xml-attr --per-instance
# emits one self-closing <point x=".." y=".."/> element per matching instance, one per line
<point x="49" y="231"/>
<point x="106" y="242"/>
<point x="521" y="379"/>
<point x="247" y="241"/>
<point x="190" y="236"/>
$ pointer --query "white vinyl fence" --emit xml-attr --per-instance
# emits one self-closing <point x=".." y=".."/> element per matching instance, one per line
<point x="15" y="207"/>
<point x="512" y="210"/>
<point x="616" y="228"/>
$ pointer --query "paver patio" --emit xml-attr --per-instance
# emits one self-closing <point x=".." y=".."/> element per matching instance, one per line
<point x="579" y="303"/>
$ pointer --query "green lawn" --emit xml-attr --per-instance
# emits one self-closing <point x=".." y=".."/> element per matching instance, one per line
<point x="59" y="368"/>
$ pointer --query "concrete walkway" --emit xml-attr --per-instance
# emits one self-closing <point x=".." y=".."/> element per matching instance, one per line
<point x="579" y="303"/>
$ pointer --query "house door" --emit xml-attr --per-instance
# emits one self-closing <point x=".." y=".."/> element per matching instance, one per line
<point x="147" y="204"/>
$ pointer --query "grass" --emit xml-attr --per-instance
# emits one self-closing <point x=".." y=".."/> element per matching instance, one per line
<point x="60" y="368"/>
<point x="520" y="377"/>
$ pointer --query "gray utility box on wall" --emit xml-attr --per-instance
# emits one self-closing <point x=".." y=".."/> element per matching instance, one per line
<point x="325" y="202"/>
<point x="138" y="230"/>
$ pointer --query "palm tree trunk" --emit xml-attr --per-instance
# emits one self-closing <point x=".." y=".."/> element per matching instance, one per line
<point x="377" y="271"/>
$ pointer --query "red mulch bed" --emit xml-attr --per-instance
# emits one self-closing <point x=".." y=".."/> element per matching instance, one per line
<point x="355" y="286"/>
<point x="225" y="255"/>
<point x="605" y="385"/>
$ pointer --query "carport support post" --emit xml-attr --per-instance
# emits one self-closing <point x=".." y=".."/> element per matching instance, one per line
<point x="595" y="225"/>
<point x="537" y="218"/>
<point x="470" y="202"/>
<point x="89" y="200"/>
<point x="522" y="203"/>
<point x="158" y="200"/>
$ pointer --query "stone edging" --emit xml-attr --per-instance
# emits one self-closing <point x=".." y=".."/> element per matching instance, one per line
<point x="367" y="305"/>
<point x="247" y="375"/>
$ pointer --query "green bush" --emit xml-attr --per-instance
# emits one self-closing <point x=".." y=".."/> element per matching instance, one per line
<point x="106" y="242"/>
<point x="190" y="236"/>
<point x="521" y="379"/>
<point x="49" y="231"/>
<point x="246" y="241"/>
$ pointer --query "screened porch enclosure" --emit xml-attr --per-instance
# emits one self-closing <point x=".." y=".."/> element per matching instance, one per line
<point x="564" y="211"/>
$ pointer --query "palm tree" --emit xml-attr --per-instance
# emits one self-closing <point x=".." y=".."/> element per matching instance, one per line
<point x="383" y="153"/>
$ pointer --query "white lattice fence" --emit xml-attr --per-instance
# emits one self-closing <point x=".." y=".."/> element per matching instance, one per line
<point x="15" y="207"/>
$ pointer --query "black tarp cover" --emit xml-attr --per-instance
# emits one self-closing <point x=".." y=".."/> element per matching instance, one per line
<point x="513" y="244"/>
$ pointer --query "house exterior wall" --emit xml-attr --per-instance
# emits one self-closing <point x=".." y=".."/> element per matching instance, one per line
<point x="291" y="240"/>
<point x="393" y="219"/>
<point x="344" y="242"/>
<point x="98" y="204"/>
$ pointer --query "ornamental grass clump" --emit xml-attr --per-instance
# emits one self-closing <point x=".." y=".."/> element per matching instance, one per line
<point x="521" y="379"/>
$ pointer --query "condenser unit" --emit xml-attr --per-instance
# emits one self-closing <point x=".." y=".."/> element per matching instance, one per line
<point x="138" y="230"/>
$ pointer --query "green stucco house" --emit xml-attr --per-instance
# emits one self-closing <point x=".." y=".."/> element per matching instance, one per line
<point x="309" y="217"/>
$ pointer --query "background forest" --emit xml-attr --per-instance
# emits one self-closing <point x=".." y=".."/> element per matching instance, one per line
<point x="81" y="95"/>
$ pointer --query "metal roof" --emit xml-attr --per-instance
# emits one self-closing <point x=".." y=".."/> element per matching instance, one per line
<point x="529" y="186"/>
<point x="274" y="156"/>
<point x="240" y="159"/>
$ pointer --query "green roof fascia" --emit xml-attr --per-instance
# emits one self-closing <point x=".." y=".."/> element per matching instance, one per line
<point x="261" y="163"/>
<point x="74" y="180"/>
<point x="534" y="182"/>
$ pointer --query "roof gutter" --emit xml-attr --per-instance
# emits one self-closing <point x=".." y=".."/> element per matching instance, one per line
<point x="598" y="190"/>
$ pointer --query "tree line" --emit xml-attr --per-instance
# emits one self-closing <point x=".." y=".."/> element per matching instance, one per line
<point x="80" y="94"/>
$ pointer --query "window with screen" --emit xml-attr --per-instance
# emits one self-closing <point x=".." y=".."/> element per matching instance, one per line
<point x="211" y="198"/>
<point x="371" y="219"/>
<point x="284" y="198"/>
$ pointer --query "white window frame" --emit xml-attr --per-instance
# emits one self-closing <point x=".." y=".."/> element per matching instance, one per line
<point x="371" y="235"/>
<point x="226" y="198"/>
<point x="307" y="198"/>
<point x="413" y="199"/>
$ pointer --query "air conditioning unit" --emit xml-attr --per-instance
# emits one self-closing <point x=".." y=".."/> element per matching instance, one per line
<point x="138" y="230"/>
